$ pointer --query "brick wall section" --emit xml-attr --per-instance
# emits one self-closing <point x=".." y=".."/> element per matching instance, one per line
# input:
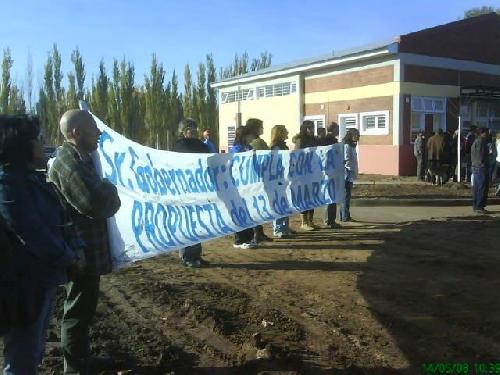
<point x="333" y="109"/>
<point x="474" y="39"/>
<point x="439" y="76"/>
<point x="360" y="78"/>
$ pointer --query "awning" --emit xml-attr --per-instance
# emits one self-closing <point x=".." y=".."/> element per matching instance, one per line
<point x="480" y="92"/>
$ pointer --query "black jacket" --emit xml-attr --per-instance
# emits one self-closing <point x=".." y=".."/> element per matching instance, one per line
<point x="479" y="153"/>
<point x="191" y="146"/>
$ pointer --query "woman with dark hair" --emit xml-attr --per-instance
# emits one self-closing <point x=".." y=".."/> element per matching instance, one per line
<point x="254" y="129"/>
<point x="279" y="134"/>
<point x="243" y="239"/>
<point x="305" y="139"/>
<point x="351" y="171"/>
<point x="45" y="244"/>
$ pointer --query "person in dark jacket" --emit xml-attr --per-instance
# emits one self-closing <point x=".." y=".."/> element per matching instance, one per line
<point x="418" y="151"/>
<point x="254" y="128"/>
<point x="243" y="239"/>
<point x="91" y="200"/>
<point x="469" y="140"/>
<point x="189" y="143"/>
<point x="305" y="139"/>
<point x="208" y="142"/>
<point x="329" y="139"/>
<point x="279" y="134"/>
<point x="479" y="166"/>
<point x="30" y="208"/>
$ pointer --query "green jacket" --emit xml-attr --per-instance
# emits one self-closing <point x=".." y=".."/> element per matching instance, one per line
<point x="259" y="144"/>
<point x="91" y="201"/>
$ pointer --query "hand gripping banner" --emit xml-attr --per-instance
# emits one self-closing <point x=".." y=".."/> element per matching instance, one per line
<point x="171" y="200"/>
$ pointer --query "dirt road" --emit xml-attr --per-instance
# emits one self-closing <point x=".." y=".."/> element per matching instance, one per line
<point x="370" y="298"/>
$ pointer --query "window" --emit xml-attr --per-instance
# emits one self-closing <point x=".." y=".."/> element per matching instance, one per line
<point x="374" y="123"/>
<point x="231" y="134"/>
<point x="428" y="104"/>
<point x="278" y="89"/>
<point x="267" y="91"/>
<point x="236" y="96"/>
<point x="347" y="121"/>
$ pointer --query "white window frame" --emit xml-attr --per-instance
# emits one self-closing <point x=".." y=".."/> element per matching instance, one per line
<point x="342" y="127"/>
<point x="231" y="129"/>
<point x="377" y="130"/>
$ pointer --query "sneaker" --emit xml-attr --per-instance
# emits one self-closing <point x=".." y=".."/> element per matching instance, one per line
<point x="306" y="227"/>
<point x="334" y="226"/>
<point x="481" y="211"/>
<point x="191" y="263"/>
<point x="245" y="245"/>
<point x="282" y="236"/>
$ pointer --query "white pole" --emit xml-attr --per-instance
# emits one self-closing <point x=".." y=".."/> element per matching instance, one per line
<point x="459" y="140"/>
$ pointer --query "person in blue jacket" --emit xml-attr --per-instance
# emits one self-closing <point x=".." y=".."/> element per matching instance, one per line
<point x="243" y="239"/>
<point x="47" y="245"/>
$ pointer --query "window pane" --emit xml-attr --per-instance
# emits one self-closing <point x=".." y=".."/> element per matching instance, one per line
<point x="286" y="88"/>
<point x="439" y="105"/>
<point x="231" y="134"/>
<point x="294" y="87"/>
<point x="369" y="122"/>
<point x="428" y="105"/>
<point x="269" y="90"/>
<point x="349" y="122"/>
<point x="261" y="92"/>
<point x="278" y="89"/>
<point x="416" y="104"/>
<point x="381" y="122"/>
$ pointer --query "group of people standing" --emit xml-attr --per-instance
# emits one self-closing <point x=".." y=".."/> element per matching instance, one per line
<point x="248" y="137"/>
<point x="437" y="156"/>
<point x="438" y="160"/>
<point x="53" y="227"/>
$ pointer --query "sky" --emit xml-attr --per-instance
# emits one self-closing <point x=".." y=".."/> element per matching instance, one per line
<point x="183" y="32"/>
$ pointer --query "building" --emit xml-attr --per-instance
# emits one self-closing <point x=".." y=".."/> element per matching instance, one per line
<point x="388" y="90"/>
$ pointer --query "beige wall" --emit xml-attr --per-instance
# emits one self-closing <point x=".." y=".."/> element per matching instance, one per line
<point x="277" y="110"/>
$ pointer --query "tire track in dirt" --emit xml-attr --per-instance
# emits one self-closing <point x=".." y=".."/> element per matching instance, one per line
<point x="176" y="318"/>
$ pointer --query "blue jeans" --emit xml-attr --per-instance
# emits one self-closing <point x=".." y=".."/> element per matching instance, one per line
<point x="190" y="253"/>
<point x="345" y="213"/>
<point x="479" y="188"/>
<point x="24" y="347"/>
<point x="280" y="226"/>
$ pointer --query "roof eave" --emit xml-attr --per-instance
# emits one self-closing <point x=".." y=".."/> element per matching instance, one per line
<point x="380" y="50"/>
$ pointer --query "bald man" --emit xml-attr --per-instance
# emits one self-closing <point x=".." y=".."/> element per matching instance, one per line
<point x="91" y="200"/>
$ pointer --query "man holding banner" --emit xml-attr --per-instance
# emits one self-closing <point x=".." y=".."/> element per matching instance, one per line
<point x="90" y="200"/>
<point x="189" y="143"/>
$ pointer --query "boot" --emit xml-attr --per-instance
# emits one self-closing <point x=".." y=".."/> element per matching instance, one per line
<point x="305" y="223"/>
<point x="259" y="235"/>
<point x="311" y="221"/>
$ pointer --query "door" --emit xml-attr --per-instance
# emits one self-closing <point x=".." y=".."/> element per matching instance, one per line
<point x="429" y="124"/>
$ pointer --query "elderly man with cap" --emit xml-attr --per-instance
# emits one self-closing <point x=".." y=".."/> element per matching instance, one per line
<point x="90" y="201"/>
<point x="189" y="143"/>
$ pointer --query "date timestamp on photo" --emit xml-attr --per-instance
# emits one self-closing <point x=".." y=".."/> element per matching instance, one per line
<point x="460" y="368"/>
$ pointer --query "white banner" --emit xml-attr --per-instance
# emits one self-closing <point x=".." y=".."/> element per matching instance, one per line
<point x="171" y="200"/>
